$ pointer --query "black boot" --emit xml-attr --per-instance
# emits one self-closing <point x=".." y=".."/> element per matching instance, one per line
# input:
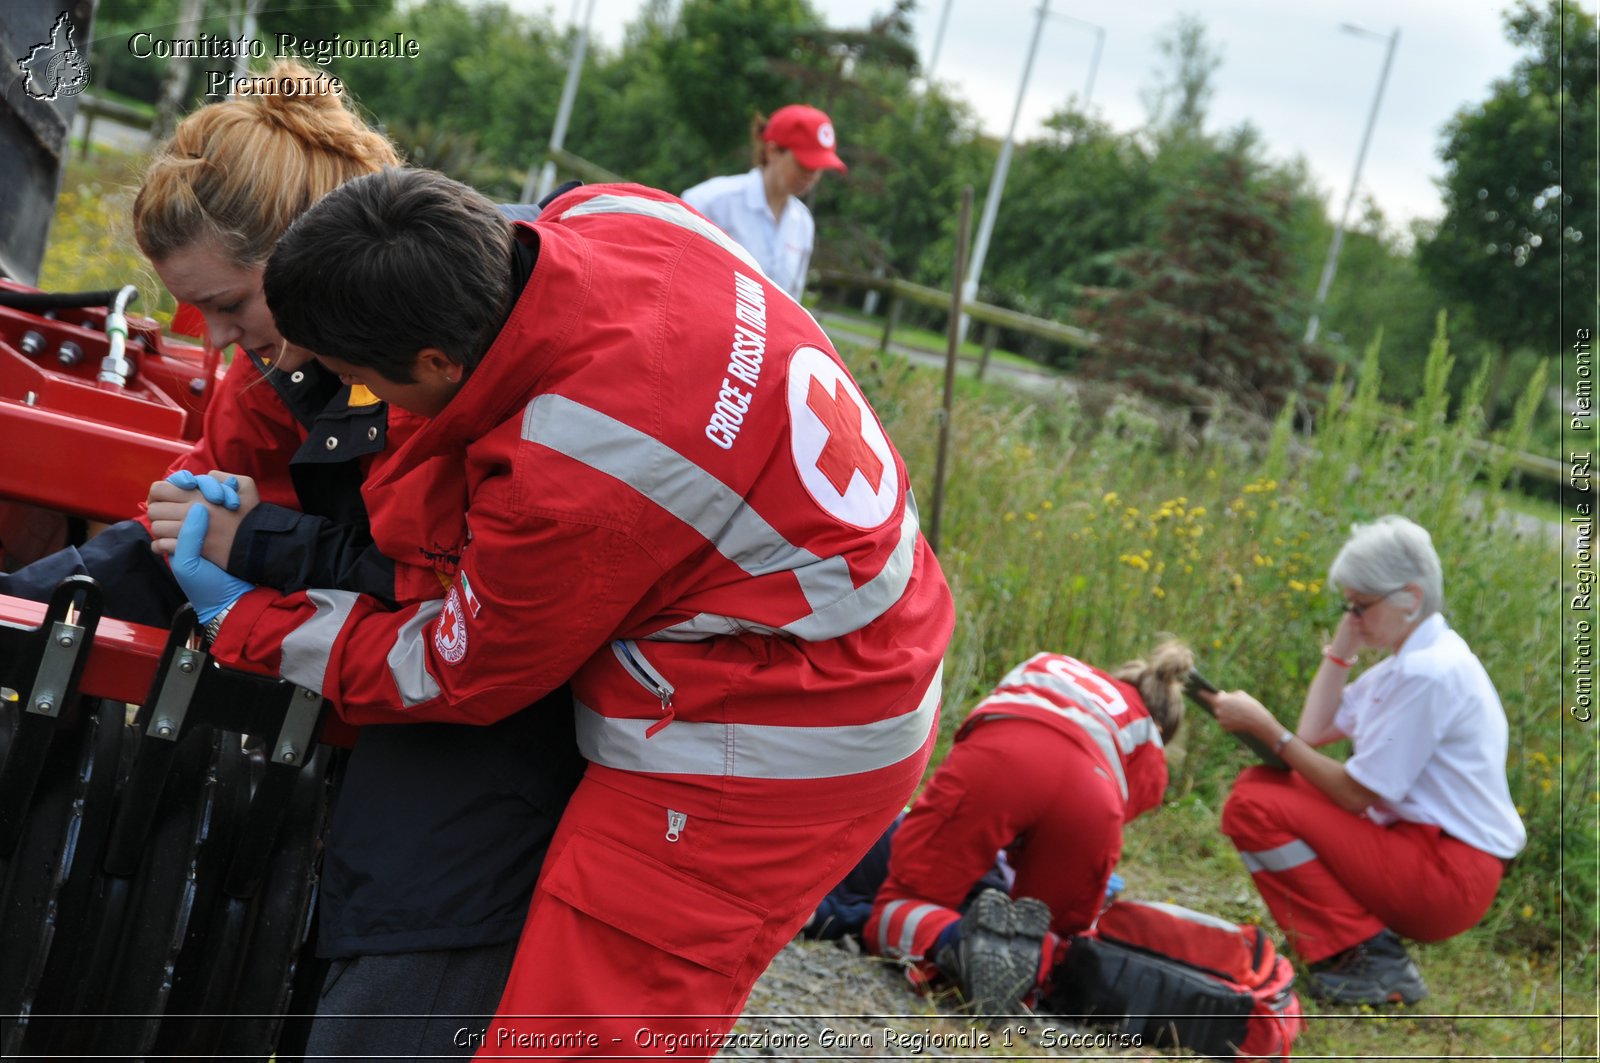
<point x="996" y="958"/>
<point x="1377" y="971"/>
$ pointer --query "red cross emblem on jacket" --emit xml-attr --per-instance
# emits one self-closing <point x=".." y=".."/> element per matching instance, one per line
<point x="840" y="450"/>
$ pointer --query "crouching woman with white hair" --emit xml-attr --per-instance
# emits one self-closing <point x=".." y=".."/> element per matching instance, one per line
<point x="1409" y="836"/>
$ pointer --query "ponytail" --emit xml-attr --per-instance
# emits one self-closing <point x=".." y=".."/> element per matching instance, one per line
<point x="1160" y="684"/>
<point x="240" y="171"/>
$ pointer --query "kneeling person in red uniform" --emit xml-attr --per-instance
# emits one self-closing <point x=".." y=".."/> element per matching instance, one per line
<point x="676" y="495"/>
<point x="1409" y="836"/>
<point x="1048" y="768"/>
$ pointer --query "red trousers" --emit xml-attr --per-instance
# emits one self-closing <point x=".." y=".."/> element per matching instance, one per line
<point x="644" y="940"/>
<point x="1333" y="879"/>
<point x="1014" y="785"/>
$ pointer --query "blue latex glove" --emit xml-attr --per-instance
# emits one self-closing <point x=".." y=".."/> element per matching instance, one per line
<point x="224" y="493"/>
<point x="210" y="589"/>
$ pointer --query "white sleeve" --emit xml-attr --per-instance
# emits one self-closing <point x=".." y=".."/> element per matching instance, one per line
<point x="800" y="276"/>
<point x="1397" y="736"/>
<point x="695" y="197"/>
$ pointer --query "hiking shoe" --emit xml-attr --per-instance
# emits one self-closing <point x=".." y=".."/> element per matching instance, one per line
<point x="997" y="958"/>
<point x="1377" y="971"/>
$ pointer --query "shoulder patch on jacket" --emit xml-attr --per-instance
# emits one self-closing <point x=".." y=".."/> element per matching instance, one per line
<point x="450" y="636"/>
<point x="840" y="450"/>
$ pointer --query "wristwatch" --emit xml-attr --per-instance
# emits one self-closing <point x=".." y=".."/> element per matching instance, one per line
<point x="214" y="625"/>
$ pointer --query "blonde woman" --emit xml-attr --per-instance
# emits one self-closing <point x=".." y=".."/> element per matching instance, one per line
<point x="439" y="831"/>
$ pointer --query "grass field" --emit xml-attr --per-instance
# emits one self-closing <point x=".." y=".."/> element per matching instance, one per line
<point x="1093" y="525"/>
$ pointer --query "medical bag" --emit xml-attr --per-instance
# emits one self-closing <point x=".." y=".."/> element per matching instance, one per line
<point x="1174" y="977"/>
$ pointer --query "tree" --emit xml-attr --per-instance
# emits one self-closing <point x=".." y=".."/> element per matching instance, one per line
<point x="1209" y="308"/>
<point x="727" y="60"/>
<point x="481" y="69"/>
<point x="1520" y="186"/>
<point x="1182" y="91"/>
<point x="1077" y="198"/>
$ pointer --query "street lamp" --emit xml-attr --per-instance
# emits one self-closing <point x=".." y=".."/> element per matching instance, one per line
<point x="558" y="135"/>
<point x="997" y="183"/>
<point x="1332" y="264"/>
<point x="1094" y="60"/>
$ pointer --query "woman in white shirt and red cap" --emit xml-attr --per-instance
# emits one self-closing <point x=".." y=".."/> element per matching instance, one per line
<point x="1410" y="835"/>
<point x="762" y="209"/>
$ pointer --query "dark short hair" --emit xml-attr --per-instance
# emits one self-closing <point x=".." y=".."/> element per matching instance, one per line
<point x="388" y="264"/>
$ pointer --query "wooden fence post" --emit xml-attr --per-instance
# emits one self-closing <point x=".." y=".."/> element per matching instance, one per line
<point x="952" y="345"/>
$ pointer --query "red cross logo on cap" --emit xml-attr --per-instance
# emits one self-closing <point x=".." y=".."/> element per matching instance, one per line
<point x="840" y="452"/>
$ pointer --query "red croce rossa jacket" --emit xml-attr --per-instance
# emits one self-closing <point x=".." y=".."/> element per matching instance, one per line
<point x="1105" y="716"/>
<point x="675" y="494"/>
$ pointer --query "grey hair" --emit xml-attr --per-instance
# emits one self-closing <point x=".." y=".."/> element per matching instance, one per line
<point x="1386" y="555"/>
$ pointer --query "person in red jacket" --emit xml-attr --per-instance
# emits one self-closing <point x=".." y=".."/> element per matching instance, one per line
<point x="676" y="494"/>
<point x="1048" y="768"/>
<point x="419" y="893"/>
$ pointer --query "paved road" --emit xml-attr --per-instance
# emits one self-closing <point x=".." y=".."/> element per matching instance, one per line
<point x="1032" y="381"/>
<point x="113" y="134"/>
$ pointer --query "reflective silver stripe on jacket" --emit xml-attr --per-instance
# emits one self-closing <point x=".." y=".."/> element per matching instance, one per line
<point x="1130" y="736"/>
<point x="1098" y="732"/>
<point x="1286" y="856"/>
<point x="306" y="649"/>
<point x="905" y="945"/>
<point x="408" y="657"/>
<point x="724" y="519"/>
<point x="851" y="612"/>
<point x="676" y="213"/>
<point x="755" y="750"/>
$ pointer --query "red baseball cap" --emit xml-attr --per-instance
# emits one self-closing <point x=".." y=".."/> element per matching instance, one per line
<point x="808" y="133"/>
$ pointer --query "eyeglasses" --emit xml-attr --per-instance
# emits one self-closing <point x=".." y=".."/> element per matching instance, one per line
<point x="1356" y="609"/>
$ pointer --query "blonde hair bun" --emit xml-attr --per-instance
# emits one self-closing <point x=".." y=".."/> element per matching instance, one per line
<point x="1160" y="683"/>
<point x="240" y="171"/>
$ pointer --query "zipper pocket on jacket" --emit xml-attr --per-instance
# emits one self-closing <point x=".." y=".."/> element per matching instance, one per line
<point x="633" y="662"/>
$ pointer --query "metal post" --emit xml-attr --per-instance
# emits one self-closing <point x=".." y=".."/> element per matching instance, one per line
<point x="1332" y="263"/>
<point x="991" y="202"/>
<point x="952" y="345"/>
<point x="933" y="61"/>
<point x="1094" y="60"/>
<point x="558" y="135"/>
<point x="1094" y="65"/>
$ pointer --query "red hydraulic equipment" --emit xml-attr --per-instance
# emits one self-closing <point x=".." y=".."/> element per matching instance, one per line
<point x="86" y="429"/>
<point x="160" y="816"/>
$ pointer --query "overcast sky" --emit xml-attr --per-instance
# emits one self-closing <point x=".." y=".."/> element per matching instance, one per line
<point x="1287" y="68"/>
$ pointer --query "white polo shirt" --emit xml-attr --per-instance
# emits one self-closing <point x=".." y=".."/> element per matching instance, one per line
<point x="738" y="204"/>
<point x="1430" y="740"/>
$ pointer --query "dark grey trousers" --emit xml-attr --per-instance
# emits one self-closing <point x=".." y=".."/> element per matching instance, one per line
<point x="412" y="1005"/>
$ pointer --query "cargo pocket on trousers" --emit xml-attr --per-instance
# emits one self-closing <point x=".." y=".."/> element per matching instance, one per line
<point x="659" y="905"/>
